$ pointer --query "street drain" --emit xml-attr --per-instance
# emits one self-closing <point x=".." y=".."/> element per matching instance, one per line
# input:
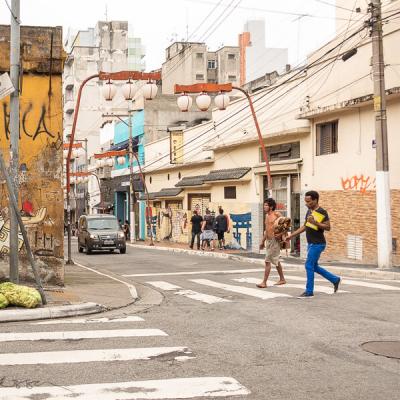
<point x="390" y="349"/>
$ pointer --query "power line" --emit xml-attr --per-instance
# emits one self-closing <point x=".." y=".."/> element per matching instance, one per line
<point x="12" y="14"/>
<point x="333" y="5"/>
<point x="267" y="92"/>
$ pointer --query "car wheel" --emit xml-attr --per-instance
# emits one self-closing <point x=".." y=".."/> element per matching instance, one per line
<point x="111" y="251"/>
<point x="80" y="249"/>
<point x="122" y="250"/>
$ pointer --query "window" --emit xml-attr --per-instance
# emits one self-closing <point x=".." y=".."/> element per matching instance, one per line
<point x="199" y="77"/>
<point x="230" y="192"/>
<point x="211" y="64"/>
<point x="168" y="176"/>
<point x="151" y="179"/>
<point x="231" y="78"/>
<point x="280" y="152"/>
<point x="199" y="56"/>
<point x="179" y="175"/>
<point x="231" y="56"/>
<point x="327" y="138"/>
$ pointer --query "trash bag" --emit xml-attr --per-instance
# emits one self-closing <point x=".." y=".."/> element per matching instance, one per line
<point x="21" y="296"/>
<point x="234" y="244"/>
<point x="3" y="301"/>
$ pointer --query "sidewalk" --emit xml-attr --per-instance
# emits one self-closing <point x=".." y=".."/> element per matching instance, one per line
<point x="85" y="292"/>
<point x="290" y="263"/>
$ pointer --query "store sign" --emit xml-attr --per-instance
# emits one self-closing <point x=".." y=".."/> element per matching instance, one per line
<point x="6" y="86"/>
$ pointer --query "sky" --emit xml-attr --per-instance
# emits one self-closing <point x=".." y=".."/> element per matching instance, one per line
<point x="217" y="22"/>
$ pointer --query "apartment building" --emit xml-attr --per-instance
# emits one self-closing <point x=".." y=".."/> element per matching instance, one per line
<point x="191" y="62"/>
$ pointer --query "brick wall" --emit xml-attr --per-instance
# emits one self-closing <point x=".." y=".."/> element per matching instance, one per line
<point x="354" y="213"/>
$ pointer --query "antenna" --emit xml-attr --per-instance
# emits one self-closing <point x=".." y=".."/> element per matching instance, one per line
<point x="106" y="13"/>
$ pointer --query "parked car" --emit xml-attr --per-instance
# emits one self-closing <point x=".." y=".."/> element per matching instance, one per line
<point x="100" y="232"/>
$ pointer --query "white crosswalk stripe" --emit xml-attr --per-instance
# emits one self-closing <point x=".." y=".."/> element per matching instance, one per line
<point x="183" y="388"/>
<point x="84" y="356"/>
<point x="164" y="285"/>
<point x="259" y="293"/>
<point x="225" y="272"/>
<point x="317" y="288"/>
<point x="131" y="318"/>
<point x="366" y="284"/>
<point x="191" y="294"/>
<point x="77" y="335"/>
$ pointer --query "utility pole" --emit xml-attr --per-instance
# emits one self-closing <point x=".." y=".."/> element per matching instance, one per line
<point x="14" y="136"/>
<point x="132" y="197"/>
<point x="383" y="211"/>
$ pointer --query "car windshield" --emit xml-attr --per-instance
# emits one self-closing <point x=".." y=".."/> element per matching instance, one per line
<point x="103" y="224"/>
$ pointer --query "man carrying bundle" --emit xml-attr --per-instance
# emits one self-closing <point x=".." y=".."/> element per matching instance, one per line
<point x="271" y="241"/>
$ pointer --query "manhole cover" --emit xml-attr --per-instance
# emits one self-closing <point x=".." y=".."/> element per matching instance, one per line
<point x="386" y="348"/>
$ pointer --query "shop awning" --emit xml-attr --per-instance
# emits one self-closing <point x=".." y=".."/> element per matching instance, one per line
<point x="226" y="174"/>
<point x="191" y="181"/>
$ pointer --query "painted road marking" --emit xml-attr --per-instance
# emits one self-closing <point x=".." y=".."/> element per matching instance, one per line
<point x="83" y="356"/>
<point x="183" y="388"/>
<point x="89" y="321"/>
<point x="131" y="288"/>
<point x="317" y="288"/>
<point x="260" y="293"/>
<point x="205" y="298"/>
<point x="76" y="335"/>
<point x="164" y="285"/>
<point x="350" y="282"/>
<point x="232" y="271"/>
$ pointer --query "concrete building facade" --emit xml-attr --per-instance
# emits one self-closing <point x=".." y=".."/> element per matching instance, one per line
<point x="256" y="58"/>
<point x="318" y="126"/>
<point x="40" y="151"/>
<point x="190" y="62"/>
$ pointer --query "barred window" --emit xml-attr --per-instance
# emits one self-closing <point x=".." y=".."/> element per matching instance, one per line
<point x="327" y="138"/>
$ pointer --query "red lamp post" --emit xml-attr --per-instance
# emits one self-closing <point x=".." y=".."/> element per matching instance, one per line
<point x="203" y="101"/>
<point x="149" y="92"/>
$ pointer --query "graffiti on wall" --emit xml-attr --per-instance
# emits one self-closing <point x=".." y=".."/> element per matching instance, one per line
<point x="360" y="183"/>
<point x="37" y="122"/>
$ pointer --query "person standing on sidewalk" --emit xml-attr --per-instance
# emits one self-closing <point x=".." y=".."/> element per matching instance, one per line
<point x="271" y="244"/>
<point x="196" y="221"/>
<point x="316" y="222"/>
<point x="207" y="231"/>
<point x="221" y="226"/>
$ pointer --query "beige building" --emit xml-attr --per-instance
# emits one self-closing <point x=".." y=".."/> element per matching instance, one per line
<point x="187" y="63"/>
<point x="318" y="126"/>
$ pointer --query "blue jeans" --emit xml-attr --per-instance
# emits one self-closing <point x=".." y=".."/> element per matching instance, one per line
<point x="313" y="253"/>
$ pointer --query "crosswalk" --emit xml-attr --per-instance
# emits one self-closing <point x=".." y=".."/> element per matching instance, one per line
<point x="59" y="349"/>
<point x="224" y="288"/>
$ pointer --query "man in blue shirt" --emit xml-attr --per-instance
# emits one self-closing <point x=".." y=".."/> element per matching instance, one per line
<point x="316" y="223"/>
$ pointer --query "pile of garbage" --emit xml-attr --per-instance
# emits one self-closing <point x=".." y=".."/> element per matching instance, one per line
<point x="18" y="295"/>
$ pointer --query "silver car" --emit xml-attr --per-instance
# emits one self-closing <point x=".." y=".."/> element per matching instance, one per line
<point x="100" y="232"/>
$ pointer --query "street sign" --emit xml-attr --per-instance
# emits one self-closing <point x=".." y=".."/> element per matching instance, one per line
<point x="6" y="86"/>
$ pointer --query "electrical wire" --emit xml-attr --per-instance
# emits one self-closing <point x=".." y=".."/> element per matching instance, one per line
<point x="12" y="14"/>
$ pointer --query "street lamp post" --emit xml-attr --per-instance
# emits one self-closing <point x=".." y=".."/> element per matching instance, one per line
<point x="149" y="92"/>
<point x="203" y="101"/>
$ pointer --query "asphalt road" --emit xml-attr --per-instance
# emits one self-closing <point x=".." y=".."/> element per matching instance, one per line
<point x="219" y="325"/>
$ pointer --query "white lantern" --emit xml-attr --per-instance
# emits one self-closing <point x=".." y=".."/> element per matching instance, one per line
<point x="72" y="180"/>
<point x="149" y="90"/>
<point x="222" y="101"/>
<point x="129" y="90"/>
<point x="75" y="153"/>
<point x="65" y="154"/>
<point x="79" y="180"/>
<point x="121" y="160"/>
<point x="99" y="163"/>
<point x="203" y="101"/>
<point x="110" y="162"/>
<point x="109" y="90"/>
<point x="184" y="102"/>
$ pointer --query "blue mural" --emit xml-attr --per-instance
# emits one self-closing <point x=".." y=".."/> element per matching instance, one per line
<point x="239" y="222"/>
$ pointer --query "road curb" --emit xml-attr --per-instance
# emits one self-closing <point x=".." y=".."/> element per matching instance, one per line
<point x="347" y="271"/>
<point x="72" y="310"/>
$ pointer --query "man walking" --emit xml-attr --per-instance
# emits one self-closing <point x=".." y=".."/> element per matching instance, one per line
<point x="271" y="244"/>
<point x="196" y="221"/>
<point x="316" y="222"/>
<point x="222" y="226"/>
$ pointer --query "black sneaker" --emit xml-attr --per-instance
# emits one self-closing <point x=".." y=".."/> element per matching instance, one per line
<point x="305" y="294"/>
<point x="336" y="286"/>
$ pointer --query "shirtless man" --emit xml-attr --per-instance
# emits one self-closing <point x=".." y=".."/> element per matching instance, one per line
<point x="271" y="244"/>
